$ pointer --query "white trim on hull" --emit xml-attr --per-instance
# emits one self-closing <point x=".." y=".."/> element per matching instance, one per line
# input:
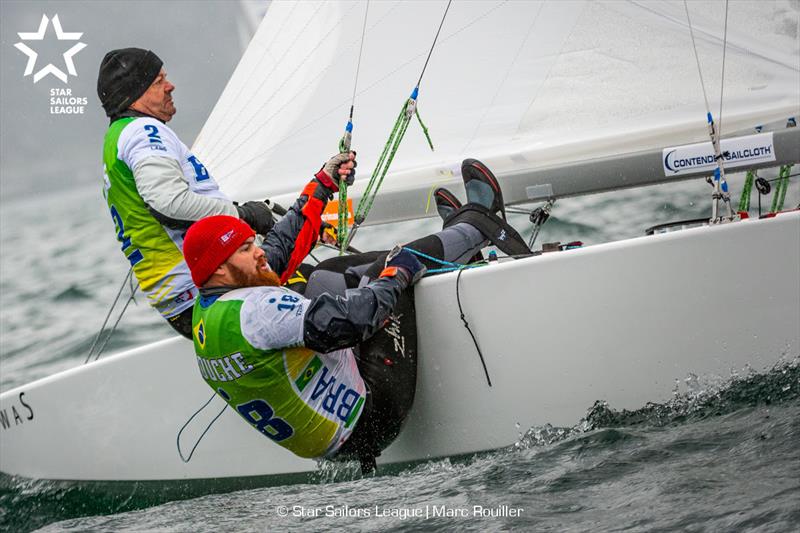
<point x="617" y="322"/>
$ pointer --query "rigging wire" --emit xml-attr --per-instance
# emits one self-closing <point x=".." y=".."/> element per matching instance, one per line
<point x="719" y="184"/>
<point x="722" y="78"/>
<point x="696" y="56"/>
<point x="313" y="122"/>
<point x="344" y="146"/>
<point x="360" y="51"/>
<point x="430" y="52"/>
<point x="407" y="112"/>
<point x="128" y="277"/>
<point x="108" y="315"/>
<point x="114" y="328"/>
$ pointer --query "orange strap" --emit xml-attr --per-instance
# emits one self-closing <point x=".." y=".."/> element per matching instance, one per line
<point x="309" y="233"/>
<point x="388" y="272"/>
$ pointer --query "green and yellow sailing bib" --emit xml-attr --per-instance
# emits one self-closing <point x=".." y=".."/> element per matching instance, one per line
<point x="153" y="250"/>
<point x="249" y="345"/>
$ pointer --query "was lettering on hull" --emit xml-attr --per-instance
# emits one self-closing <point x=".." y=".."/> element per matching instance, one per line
<point x="16" y="413"/>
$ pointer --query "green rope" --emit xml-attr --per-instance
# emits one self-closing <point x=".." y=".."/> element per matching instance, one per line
<point x="399" y="129"/>
<point x="382" y="169"/>
<point x="393" y="143"/>
<point x="780" y="188"/>
<point x="425" y="131"/>
<point x="786" y="171"/>
<point x="360" y="211"/>
<point x="747" y="189"/>
<point x="344" y="146"/>
<point x="341" y="231"/>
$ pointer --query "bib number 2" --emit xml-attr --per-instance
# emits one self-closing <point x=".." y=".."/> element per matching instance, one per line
<point x="134" y="255"/>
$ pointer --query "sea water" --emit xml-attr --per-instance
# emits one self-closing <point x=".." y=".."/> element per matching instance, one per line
<point x="722" y="457"/>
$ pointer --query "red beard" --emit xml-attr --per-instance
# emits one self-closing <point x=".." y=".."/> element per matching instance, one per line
<point x="264" y="278"/>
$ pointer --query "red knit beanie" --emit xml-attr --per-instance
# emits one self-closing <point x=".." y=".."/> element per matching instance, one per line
<point x="210" y="242"/>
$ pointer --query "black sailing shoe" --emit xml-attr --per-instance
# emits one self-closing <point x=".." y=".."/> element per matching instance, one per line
<point x="446" y="202"/>
<point x="485" y="209"/>
<point x="482" y="187"/>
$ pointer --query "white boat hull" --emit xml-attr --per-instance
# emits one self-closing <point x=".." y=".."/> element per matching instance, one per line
<point x="618" y="322"/>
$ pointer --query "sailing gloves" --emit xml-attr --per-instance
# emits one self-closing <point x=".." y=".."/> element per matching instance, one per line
<point x="341" y="167"/>
<point x="258" y="216"/>
<point x="400" y="263"/>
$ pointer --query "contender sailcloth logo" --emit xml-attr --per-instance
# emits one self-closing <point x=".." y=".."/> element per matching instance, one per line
<point x="738" y="152"/>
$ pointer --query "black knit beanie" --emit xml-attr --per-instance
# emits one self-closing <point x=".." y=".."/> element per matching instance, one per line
<point x="125" y="75"/>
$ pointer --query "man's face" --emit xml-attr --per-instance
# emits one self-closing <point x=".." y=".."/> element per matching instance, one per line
<point x="248" y="267"/>
<point x="157" y="99"/>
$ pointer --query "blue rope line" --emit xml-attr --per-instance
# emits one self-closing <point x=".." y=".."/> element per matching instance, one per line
<point x="449" y="266"/>
<point x="440" y="270"/>
<point x="434" y="259"/>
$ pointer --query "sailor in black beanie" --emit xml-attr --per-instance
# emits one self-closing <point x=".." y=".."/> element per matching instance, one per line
<point x="154" y="185"/>
<point x="128" y="74"/>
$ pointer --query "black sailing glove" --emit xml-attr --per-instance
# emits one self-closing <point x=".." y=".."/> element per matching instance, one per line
<point x="257" y="215"/>
<point x="401" y="262"/>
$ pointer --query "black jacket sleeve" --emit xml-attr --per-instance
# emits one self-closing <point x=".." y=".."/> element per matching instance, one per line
<point x="334" y="322"/>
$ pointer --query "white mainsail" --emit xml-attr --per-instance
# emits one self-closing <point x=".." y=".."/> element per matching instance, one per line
<point x="517" y="84"/>
<point x="520" y="85"/>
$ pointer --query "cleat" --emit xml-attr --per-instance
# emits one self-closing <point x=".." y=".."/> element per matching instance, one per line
<point x="482" y="187"/>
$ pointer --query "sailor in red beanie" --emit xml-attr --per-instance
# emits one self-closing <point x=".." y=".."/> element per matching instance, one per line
<point x="223" y="245"/>
<point x="286" y="361"/>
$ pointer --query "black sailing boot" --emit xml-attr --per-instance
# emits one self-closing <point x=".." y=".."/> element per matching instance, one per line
<point x="485" y="210"/>
<point x="446" y="205"/>
<point x="482" y="187"/>
<point x="446" y="202"/>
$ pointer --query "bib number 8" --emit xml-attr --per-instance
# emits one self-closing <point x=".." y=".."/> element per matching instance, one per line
<point x="260" y="415"/>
